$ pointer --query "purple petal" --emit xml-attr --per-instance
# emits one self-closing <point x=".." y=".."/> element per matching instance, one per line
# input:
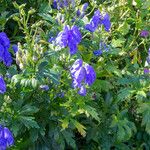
<point x="76" y="66"/>
<point x="82" y="91"/>
<point x="90" y="74"/>
<point x="2" y="85"/>
<point x="8" y="136"/>
<point x="106" y="22"/>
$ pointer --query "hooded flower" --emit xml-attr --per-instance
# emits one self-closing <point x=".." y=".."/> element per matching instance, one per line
<point x="90" y="74"/>
<point x="102" y="47"/>
<point x="106" y="22"/>
<point x="70" y="37"/>
<point x="15" y="48"/>
<point x="81" y="13"/>
<point x="144" y="33"/>
<point x="97" y="20"/>
<point x="5" y="55"/>
<point x="6" y="138"/>
<point x="146" y="71"/>
<point x="2" y="85"/>
<point x="82" y="75"/>
<point x="57" y="4"/>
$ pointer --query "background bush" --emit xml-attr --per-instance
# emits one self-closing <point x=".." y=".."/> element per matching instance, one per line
<point x="115" y="112"/>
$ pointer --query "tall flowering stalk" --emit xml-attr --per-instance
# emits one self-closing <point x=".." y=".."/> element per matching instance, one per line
<point x="99" y="19"/>
<point x="70" y="37"/>
<point x="82" y="75"/>
<point x="5" y="55"/>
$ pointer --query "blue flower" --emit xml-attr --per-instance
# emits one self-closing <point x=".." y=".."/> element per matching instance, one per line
<point x="97" y="52"/>
<point x="2" y="85"/>
<point x="106" y="22"/>
<point x="44" y="87"/>
<point x="81" y="13"/>
<point x="82" y="91"/>
<point x="82" y="75"/>
<point x="102" y="47"/>
<point x="15" y="48"/>
<point x="57" y="4"/>
<point x="69" y="37"/>
<point x="5" y="55"/>
<point x="97" y="20"/>
<point x="6" y="138"/>
<point x="90" y="74"/>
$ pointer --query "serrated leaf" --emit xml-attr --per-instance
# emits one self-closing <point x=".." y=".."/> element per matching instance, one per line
<point x="80" y="127"/>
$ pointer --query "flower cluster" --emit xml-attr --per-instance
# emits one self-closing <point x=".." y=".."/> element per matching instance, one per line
<point x="144" y="33"/>
<point x="2" y="85"/>
<point x="99" y="19"/>
<point x="57" y="4"/>
<point x="82" y="75"/>
<point x="146" y="71"/>
<point x="81" y="13"/>
<point x="5" y="55"/>
<point x="6" y="138"/>
<point x="102" y="46"/>
<point x="70" y="37"/>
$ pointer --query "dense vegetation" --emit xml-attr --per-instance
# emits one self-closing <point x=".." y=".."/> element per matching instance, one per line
<point x="75" y="74"/>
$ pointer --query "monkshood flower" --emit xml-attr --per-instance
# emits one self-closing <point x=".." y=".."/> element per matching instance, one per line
<point x="58" y="4"/>
<point x="2" y="85"/>
<point x="70" y="37"/>
<point x="82" y="75"/>
<point x="15" y="48"/>
<point x="102" y="47"/>
<point x="97" y="20"/>
<point x="5" y="55"/>
<point x="6" y="138"/>
<point x="81" y="13"/>
<point x="44" y="87"/>
<point x="144" y="33"/>
<point x="146" y="71"/>
<point x="97" y="52"/>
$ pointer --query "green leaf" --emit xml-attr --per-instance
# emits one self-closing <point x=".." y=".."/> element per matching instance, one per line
<point x="144" y="109"/>
<point x="29" y="122"/>
<point x="92" y="111"/>
<point x="69" y="138"/>
<point x="80" y="127"/>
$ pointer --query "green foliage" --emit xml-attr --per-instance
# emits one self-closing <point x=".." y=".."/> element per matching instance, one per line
<point x="114" y="114"/>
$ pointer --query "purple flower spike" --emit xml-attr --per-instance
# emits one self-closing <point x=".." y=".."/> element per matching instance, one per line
<point x="69" y="37"/>
<point x="2" y="85"/>
<point x="92" y="26"/>
<point x="82" y="75"/>
<point x="97" y="20"/>
<point x="5" y="55"/>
